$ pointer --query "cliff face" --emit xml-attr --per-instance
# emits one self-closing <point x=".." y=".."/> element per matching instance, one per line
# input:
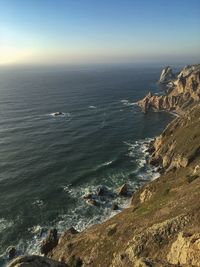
<point x="179" y="144"/>
<point x="161" y="227"/>
<point x="183" y="90"/>
<point x="166" y="75"/>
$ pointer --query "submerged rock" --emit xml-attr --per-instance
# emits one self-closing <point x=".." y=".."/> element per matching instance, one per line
<point x="49" y="242"/>
<point x="58" y="113"/>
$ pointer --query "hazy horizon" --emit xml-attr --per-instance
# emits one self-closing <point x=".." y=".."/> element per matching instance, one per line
<point x="91" y="32"/>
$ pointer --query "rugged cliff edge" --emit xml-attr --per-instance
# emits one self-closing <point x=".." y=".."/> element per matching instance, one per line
<point x="183" y="90"/>
<point x="161" y="227"/>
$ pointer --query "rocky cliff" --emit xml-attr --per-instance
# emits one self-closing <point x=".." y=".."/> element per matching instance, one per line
<point x="161" y="227"/>
<point x="182" y="90"/>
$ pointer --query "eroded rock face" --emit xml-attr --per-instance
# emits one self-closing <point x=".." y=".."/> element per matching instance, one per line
<point x="35" y="261"/>
<point x="166" y="75"/>
<point x="137" y="248"/>
<point x="178" y="145"/>
<point x="185" y="250"/>
<point x="184" y="90"/>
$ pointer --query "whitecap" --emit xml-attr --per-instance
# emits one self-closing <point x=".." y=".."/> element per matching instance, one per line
<point x="38" y="202"/>
<point x="107" y="163"/>
<point x="92" y="107"/>
<point x="126" y="102"/>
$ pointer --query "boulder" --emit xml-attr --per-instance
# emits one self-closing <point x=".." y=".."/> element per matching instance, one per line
<point x="11" y="252"/>
<point x="115" y="206"/>
<point x="49" y="242"/>
<point x="123" y="190"/>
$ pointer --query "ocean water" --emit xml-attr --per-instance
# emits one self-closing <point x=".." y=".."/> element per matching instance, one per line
<point x="47" y="163"/>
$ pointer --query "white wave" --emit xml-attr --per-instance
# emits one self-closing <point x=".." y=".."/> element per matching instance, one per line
<point x="92" y="107"/>
<point x="38" y="202"/>
<point x="126" y="102"/>
<point x="107" y="163"/>
<point x="78" y="216"/>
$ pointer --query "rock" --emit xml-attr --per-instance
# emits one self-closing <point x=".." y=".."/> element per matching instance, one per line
<point x="49" y="242"/>
<point x="123" y="190"/>
<point x="101" y="191"/>
<point x="35" y="261"/>
<point x="166" y="75"/>
<point x="185" y="250"/>
<point x="145" y="195"/>
<point x="88" y="196"/>
<point x="11" y="251"/>
<point x="115" y="206"/>
<point x="58" y="113"/>
<point x="196" y="169"/>
<point x="184" y="90"/>
<point x="92" y="202"/>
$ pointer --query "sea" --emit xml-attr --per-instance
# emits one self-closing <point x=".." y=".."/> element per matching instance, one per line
<point x="48" y="162"/>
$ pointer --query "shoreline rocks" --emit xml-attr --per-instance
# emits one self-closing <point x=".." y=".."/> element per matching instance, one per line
<point x="49" y="242"/>
<point x="123" y="190"/>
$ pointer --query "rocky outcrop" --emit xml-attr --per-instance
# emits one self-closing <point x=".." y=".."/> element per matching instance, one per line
<point x="35" y="261"/>
<point x="181" y="91"/>
<point x="179" y="144"/>
<point x="123" y="190"/>
<point x="185" y="250"/>
<point x="166" y="75"/>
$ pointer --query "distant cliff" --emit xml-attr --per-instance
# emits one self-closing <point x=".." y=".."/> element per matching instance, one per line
<point x="182" y="90"/>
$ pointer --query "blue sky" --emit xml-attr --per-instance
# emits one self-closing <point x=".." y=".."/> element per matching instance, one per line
<point x="84" y="31"/>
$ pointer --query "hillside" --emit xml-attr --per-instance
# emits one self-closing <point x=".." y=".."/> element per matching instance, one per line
<point x="161" y="227"/>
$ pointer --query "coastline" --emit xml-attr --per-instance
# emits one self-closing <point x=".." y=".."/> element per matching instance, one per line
<point x="146" y="231"/>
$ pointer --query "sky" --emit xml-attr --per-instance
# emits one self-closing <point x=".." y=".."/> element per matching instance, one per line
<point x="99" y="31"/>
